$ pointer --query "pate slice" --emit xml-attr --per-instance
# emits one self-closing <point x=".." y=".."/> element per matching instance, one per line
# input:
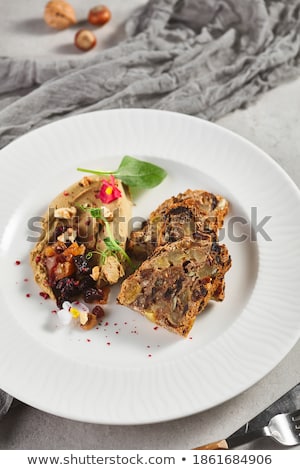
<point x="176" y="282"/>
<point x="177" y="217"/>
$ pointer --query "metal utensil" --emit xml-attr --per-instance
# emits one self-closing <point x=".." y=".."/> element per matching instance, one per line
<point x="264" y="424"/>
<point x="283" y="428"/>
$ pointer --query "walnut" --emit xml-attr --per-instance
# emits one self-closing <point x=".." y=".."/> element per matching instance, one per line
<point x="85" y="181"/>
<point x="59" y="14"/>
<point x="95" y="273"/>
<point x="65" y="212"/>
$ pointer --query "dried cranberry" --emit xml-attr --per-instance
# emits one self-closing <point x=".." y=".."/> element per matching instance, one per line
<point x="92" y="294"/>
<point x="98" y="311"/>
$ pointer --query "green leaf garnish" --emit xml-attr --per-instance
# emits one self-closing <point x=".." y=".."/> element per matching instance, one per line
<point x="134" y="173"/>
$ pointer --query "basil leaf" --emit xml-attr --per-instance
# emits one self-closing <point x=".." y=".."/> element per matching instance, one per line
<point x="140" y="174"/>
<point x="134" y="173"/>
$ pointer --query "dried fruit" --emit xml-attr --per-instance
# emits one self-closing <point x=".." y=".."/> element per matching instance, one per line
<point x="82" y="265"/>
<point x="99" y="15"/>
<point x="98" y="311"/>
<point x="65" y="289"/>
<point x="92" y="294"/>
<point x="85" y="40"/>
<point x="59" y="14"/>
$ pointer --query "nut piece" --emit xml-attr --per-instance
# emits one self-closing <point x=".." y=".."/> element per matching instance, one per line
<point x="85" y="40"/>
<point x="59" y="14"/>
<point x="85" y="181"/>
<point x="99" y="15"/>
<point x="90" y="323"/>
<point x="65" y="212"/>
<point x="112" y="270"/>
<point x="95" y="273"/>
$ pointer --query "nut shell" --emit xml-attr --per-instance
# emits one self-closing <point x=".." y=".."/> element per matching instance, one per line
<point x="99" y="15"/>
<point x="59" y="14"/>
<point x="85" y="40"/>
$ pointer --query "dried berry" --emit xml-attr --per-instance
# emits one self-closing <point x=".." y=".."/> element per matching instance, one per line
<point x="82" y="265"/>
<point x="92" y="294"/>
<point x="65" y="289"/>
<point x="98" y="311"/>
<point x="85" y="283"/>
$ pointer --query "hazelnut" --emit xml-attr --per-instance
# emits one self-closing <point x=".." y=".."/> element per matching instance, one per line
<point x="59" y="14"/>
<point x="99" y="15"/>
<point x="85" y="40"/>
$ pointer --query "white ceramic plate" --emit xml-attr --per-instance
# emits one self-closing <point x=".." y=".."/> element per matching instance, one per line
<point x="128" y="371"/>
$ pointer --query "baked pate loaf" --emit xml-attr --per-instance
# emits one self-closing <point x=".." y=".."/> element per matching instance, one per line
<point x="193" y="211"/>
<point x="176" y="282"/>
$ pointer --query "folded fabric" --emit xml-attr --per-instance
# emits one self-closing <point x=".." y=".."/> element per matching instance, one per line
<point x="200" y="57"/>
<point x="5" y="403"/>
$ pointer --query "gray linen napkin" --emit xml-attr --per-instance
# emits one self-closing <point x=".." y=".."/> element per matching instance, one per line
<point x="200" y="57"/>
<point x="5" y="402"/>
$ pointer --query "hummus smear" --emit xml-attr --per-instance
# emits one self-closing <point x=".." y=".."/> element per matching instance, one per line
<point x="72" y="258"/>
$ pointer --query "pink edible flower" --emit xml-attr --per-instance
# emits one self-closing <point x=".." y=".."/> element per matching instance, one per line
<point x="109" y="191"/>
